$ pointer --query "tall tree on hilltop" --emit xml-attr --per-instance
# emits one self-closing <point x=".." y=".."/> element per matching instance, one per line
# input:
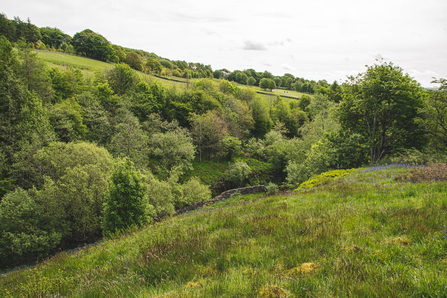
<point x="93" y="45"/>
<point x="382" y="105"/>
<point x="134" y="61"/>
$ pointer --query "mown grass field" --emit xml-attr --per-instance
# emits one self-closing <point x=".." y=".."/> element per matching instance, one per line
<point x="366" y="234"/>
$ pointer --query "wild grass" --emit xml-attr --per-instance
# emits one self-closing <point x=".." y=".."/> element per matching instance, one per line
<point x="65" y="60"/>
<point x="366" y="234"/>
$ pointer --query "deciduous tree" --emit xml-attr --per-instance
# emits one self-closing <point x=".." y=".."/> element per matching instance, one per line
<point x="382" y="105"/>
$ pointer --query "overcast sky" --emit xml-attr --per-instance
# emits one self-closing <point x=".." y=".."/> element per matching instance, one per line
<point x="313" y="39"/>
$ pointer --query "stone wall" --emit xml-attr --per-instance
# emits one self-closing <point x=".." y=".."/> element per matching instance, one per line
<point x="223" y="196"/>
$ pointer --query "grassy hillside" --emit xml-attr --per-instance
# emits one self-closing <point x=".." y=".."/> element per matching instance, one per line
<point x="56" y="59"/>
<point x="88" y="66"/>
<point x="372" y="233"/>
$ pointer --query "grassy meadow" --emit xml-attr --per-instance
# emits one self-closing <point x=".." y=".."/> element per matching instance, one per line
<point x="374" y="232"/>
<point x="88" y="66"/>
<point x="62" y="60"/>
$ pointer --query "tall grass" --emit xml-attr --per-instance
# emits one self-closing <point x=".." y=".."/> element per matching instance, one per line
<point x="366" y="234"/>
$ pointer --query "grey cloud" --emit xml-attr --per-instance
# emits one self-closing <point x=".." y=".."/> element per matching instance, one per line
<point x="265" y="64"/>
<point x="250" y="45"/>
<point x="287" y="67"/>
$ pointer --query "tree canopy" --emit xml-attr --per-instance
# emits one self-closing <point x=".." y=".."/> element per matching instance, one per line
<point x="382" y="105"/>
<point x="93" y="45"/>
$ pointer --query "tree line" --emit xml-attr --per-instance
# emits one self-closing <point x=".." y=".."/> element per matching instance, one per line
<point x="93" y="45"/>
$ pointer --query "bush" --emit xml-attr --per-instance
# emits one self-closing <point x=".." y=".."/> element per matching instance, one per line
<point x="26" y="231"/>
<point x="296" y="173"/>
<point x="324" y="178"/>
<point x="71" y="185"/>
<point x="193" y="191"/>
<point x="237" y="173"/>
<point x="127" y="203"/>
<point x="160" y="196"/>
<point x="272" y="188"/>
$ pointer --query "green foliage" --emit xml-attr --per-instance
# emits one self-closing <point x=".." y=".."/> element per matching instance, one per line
<point x="381" y="105"/>
<point x="129" y="139"/>
<point x="147" y="100"/>
<point x="66" y="118"/>
<point x="272" y="188"/>
<point x="239" y="118"/>
<point x="191" y="192"/>
<point x="66" y="84"/>
<point x="96" y="117"/>
<point x="73" y="182"/>
<point x="251" y="81"/>
<point x="237" y="173"/>
<point x="7" y="28"/>
<point x="93" y="45"/>
<point x="134" y="61"/>
<point x="153" y="65"/>
<point x="435" y="110"/>
<point x="23" y="119"/>
<point x="67" y="207"/>
<point x="33" y="72"/>
<point x="26" y="31"/>
<point x="26" y="231"/>
<point x="119" y="53"/>
<point x="231" y="147"/>
<point x="127" y="203"/>
<point x="207" y="132"/>
<point x="261" y="117"/>
<point x="267" y="84"/>
<point x="122" y="79"/>
<point x="172" y="149"/>
<point x="324" y="178"/>
<point x="160" y="195"/>
<point x="54" y="37"/>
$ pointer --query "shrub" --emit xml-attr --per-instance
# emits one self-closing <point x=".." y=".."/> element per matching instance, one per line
<point x="272" y="188"/>
<point x="26" y="231"/>
<point x="71" y="185"/>
<point x="324" y="178"/>
<point x="127" y="202"/>
<point x="160" y="196"/>
<point x="237" y="173"/>
<point x="193" y="191"/>
<point x="296" y="173"/>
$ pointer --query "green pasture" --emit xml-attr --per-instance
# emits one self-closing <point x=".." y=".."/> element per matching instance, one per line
<point x="66" y="60"/>
<point x="366" y="234"/>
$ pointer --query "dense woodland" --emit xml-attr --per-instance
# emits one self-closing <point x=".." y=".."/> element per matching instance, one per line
<point x="82" y="157"/>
